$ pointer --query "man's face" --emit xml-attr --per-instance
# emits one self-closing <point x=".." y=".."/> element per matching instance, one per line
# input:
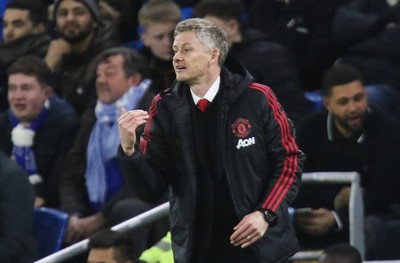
<point x="348" y="104"/>
<point x="74" y="20"/>
<point x="101" y="255"/>
<point x="191" y="60"/>
<point x="111" y="81"/>
<point x="159" y="37"/>
<point x="26" y="96"/>
<point x="16" y="24"/>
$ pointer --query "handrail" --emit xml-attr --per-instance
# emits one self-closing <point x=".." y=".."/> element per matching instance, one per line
<point x="356" y="207"/>
<point x="356" y="218"/>
<point x="80" y="247"/>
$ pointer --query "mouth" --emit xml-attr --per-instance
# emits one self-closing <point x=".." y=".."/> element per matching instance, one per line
<point x="179" y="68"/>
<point x="19" y="106"/>
<point x="354" y="120"/>
<point x="71" y="27"/>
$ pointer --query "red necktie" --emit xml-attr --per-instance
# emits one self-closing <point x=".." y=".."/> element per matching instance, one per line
<point x="203" y="104"/>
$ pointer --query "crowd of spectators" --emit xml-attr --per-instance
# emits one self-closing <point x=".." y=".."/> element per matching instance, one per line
<point x="67" y="66"/>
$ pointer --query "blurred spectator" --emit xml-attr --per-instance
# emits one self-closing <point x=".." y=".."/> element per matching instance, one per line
<point x="92" y="188"/>
<point x="128" y="18"/>
<point x="24" y="26"/>
<point x="160" y="252"/>
<point x="38" y="128"/>
<point x="340" y="253"/>
<point x="83" y="36"/>
<point x="370" y="31"/>
<point x="16" y="207"/>
<point x="350" y="136"/>
<point x="268" y="62"/>
<point x="304" y="28"/>
<point x="158" y="19"/>
<point x="108" y="246"/>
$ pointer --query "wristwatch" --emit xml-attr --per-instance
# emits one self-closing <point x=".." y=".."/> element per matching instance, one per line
<point x="270" y="217"/>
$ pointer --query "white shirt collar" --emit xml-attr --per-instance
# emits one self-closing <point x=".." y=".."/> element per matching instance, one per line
<point x="210" y="94"/>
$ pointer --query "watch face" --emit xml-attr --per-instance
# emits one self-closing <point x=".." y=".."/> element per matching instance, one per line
<point x="270" y="216"/>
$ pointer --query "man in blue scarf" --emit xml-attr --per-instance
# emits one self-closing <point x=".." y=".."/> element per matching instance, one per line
<point x="93" y="190"/>
<point x="38" y="129"/>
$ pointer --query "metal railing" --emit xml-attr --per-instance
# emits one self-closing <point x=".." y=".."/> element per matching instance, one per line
<point x="82" y="246"/>
<point x="356" y="219"/>
<point x="356" y="208"/>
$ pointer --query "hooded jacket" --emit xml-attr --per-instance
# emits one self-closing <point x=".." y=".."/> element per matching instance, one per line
<point x="260" y="159"/>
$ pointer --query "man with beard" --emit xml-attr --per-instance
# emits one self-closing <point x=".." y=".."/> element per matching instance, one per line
<point x="24" y="33"/>
<point x="83" y="35"/>
<point x="350" y="136"/>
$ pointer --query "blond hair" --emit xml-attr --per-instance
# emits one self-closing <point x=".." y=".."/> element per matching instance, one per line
<point x="159" y="11"/>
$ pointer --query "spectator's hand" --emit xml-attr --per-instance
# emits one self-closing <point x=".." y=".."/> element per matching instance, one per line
<point x="342" y="198"/>
<point x="80" y="228"/>
<point x="252" y="227"/>
<point x="316" y="222"/>
<point x="39" y="202"/>
<point x="56" y="50"/>
<point x="127" y="124"/>
<point x="74" y="231"/>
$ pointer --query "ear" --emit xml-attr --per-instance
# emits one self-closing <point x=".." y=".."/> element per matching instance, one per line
<point x="233" y="26"/>
<point x="48" y="91"/>
<point x="143" y="37"/>
<point x="214" y="56"/>
<point x="135" y="79"/>
<point x="325" y="101"/>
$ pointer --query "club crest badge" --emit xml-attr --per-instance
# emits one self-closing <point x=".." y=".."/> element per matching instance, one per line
<point x="241" y="128"/>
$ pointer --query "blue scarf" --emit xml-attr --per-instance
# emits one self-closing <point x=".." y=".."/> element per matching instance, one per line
<point x="104" y="140"/>
<point x="22" y="138"/>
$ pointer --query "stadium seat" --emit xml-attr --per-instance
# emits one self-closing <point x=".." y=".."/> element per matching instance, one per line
<point x="49" y="226"/>
<point x="315" y="98"/>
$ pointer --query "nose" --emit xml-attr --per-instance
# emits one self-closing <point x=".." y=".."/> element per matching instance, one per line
<point x="7" y="32"/>
<point x="353" y="106"/>
<point x="100" y="79"/>
<point x="177" y="56"/>
<point x="70" y="15"/>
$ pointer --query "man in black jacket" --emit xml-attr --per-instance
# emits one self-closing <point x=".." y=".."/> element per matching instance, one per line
<point x="83" y="35"/>
<point x="268" y="62"/>
<point x="350" y="136"/>
<point x="24" y="33"/>
<point x="224" y="146"/>
<point x="16" y="207"/>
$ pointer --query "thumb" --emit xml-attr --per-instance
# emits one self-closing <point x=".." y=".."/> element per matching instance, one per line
<point x="123" y="111"/>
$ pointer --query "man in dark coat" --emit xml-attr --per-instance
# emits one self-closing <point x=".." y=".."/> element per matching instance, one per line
<point x="24" y="33"/>
<point x="84" y="34"/>
<point x="370" y="32"/>
<point x="16" y="207"/>
<point x="350" y="136"/>
<point x="223" y="146"/>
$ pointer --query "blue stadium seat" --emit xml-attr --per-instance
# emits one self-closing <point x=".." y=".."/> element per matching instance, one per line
<point x="315" y="98"/>
<point x="49" y="226"/>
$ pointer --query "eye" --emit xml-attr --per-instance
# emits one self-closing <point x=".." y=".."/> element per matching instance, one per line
<point x="342" y="102"/>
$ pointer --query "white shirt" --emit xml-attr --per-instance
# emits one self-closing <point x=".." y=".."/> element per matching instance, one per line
<point x="211" y="92"/>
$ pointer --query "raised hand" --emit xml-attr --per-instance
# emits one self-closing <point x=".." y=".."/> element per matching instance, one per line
<point x="127" y="124"/>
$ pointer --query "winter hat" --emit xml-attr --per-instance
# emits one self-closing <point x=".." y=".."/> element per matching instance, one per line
<point x="92" y="5"/>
